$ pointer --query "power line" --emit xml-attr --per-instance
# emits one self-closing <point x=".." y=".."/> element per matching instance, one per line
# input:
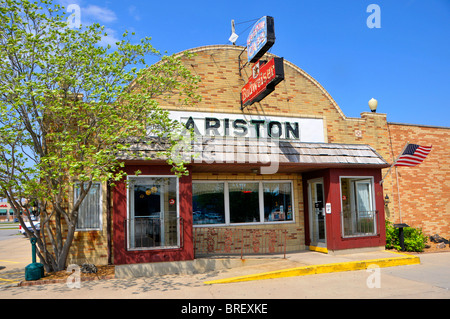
<point x="247" y="21"/>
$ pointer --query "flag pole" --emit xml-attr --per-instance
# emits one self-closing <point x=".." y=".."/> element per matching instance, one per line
<point x="395" y="162"/>
<point x="398" y="196"/>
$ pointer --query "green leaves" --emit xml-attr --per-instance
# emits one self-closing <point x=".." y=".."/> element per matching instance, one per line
<point x="414" y="239"/>
<point x="68" y="106"/>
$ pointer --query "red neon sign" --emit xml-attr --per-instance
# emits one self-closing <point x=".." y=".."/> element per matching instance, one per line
<point x="263" y="81"/>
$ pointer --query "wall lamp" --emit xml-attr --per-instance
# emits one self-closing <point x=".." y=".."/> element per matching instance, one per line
<point x="373" y="105"/>
<point x="386" y="200"/>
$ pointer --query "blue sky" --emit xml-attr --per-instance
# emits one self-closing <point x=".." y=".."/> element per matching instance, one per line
<point x="404" y="64"/>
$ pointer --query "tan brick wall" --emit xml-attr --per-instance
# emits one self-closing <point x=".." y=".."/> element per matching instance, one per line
<point x="90" y="246"/>
<point x="298" y="95"/>
<point x="424" y="190"/>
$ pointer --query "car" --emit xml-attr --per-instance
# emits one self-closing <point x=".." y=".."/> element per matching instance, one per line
<point x="36" y="224"/>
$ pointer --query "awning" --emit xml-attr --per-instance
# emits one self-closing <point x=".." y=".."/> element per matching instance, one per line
<point x="210" y="152"/>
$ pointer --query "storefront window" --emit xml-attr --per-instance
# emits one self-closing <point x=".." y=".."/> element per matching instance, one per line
<point x="277" y="201"/>
<point x="244" y="202"/>
<point x="238" y="202"/>
<point x="358" y="212"/>
<point x="208" y="203"/>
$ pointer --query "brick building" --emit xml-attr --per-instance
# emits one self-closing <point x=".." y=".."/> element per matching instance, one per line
<point x="421" y="198"/>
<point x="323" y="194"/>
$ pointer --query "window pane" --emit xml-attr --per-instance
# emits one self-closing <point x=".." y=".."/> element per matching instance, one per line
<point x="153" y="212"/>
<point x="277" y="202"/>
<point x="89" y="211"/>
<point x="208" y="203"/>
<point x="244" y="202"/>
<point x="363" y="197"/>
<point x="358" y="215"/>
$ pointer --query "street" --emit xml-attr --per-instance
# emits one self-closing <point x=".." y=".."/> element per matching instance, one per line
<point x="8" y="230"/>
<point x="429" y="280"/>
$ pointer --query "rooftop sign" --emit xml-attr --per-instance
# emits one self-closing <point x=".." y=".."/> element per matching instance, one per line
<point x="260" y="39"/>
<point x="263" y="81"/>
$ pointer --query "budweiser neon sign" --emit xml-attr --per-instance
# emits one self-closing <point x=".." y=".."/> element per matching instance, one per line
<point x="263" y="81"/>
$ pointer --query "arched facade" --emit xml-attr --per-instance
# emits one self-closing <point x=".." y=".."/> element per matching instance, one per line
<point x="324" y="192"/>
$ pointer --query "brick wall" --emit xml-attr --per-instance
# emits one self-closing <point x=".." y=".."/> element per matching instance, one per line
<point x="89" y="246"/>
<point x="424" y="190"/>
<point x="298" y="95"/>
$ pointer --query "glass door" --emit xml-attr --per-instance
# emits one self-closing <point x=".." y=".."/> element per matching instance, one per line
<point x="153" y="213"/>
<point x="317" y="224"/>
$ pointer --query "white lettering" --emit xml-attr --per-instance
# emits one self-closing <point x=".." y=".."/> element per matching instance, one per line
<point x="74" y="20"/>
<point x="374" y="20"/>
<point x="246" y="308"/>
<point x="198" y="309"/>
<point x="73" y="281"/>
<point x="374" y="280"/>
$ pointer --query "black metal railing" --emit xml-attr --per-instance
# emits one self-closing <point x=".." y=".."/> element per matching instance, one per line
<point x="153" y="232"/>
<point x="359" y="223"/>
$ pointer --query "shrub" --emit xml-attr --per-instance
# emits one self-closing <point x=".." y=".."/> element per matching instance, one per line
<point x="414" y="239"/>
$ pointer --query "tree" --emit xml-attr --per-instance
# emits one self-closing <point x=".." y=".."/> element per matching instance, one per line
<point x="68" y="106"/>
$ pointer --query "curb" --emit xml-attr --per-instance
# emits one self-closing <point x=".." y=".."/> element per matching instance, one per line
<point x="323" y="269"/>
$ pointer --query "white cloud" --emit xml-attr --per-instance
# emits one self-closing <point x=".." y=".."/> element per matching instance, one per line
<point x="110" y="39"/>
<point x="132" y="10"/>
<point x="99" y="14"/>
<point x="90" y="14"/>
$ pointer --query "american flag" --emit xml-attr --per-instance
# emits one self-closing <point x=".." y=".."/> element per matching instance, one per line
<point x="413" y="155"/>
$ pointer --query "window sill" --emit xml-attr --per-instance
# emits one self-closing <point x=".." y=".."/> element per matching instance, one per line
<point x="360" y="236"/>
<point x="246" y="224"/>
<point x="153" y="248"/>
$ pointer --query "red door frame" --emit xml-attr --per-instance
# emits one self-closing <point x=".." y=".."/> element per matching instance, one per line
<point x="124" y="256"/>
<point x="332" y="189"/>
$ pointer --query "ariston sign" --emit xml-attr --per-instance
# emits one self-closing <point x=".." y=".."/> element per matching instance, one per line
<point x="309" y="130"/>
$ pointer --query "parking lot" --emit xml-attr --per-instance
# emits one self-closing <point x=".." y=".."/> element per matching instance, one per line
<point x="12" y="267"/>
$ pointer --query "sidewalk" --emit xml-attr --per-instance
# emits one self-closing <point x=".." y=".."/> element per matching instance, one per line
<point x="16" y="254"/>
<point x="310" y="263"/>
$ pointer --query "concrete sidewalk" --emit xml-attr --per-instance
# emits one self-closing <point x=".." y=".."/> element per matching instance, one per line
<point x="267" y="267"/>
<point x="310" y="263"/>
<point x="15" y="254"/>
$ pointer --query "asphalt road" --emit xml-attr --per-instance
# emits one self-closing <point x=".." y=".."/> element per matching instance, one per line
<point x="9" y="233"/>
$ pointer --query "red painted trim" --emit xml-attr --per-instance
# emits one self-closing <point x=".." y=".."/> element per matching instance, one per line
<point x="332" y="190"/>
<point x="121" y="254"/>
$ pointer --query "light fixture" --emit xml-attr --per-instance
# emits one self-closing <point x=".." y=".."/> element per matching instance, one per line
<point x="386" y="200"/>
<point x="373" y="105"/>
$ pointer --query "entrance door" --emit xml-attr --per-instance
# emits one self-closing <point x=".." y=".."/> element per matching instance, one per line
<point x="317" y="225"/>
<point x="153" y="213"/>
